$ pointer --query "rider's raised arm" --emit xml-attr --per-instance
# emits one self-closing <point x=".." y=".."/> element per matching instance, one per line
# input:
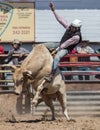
<point x="58" y="18"/>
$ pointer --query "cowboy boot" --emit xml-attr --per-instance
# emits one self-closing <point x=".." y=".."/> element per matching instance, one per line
<point x="50" y="77"/>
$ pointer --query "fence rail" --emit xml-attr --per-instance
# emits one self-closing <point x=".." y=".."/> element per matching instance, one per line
<point x="70" y="61"/>
<point x="79" y="103"/>
<point x="72" y="65"/>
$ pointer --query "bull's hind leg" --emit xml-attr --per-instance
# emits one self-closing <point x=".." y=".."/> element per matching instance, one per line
<point x="63" y="101"/>
<point x="49" y="103"/>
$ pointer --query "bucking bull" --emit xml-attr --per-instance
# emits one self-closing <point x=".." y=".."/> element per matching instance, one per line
<point x="33" y="70"/>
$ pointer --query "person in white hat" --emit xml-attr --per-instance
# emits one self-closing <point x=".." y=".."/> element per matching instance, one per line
<point x="71" y="38"/>
<point x="84" y="48"/>
<point x="17" y="49"/>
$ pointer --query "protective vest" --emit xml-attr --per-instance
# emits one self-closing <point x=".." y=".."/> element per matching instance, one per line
<point x="67" y="35"/>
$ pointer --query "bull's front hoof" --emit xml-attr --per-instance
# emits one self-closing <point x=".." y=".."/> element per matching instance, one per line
<point x="71" y="120"/>
<point x="49" y="78"/>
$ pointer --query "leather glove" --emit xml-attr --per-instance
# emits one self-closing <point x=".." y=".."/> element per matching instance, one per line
<point x="53" y="52"/>
<point x="52" y="6"/>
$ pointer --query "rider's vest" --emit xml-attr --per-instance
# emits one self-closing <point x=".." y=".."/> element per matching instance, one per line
<point x="67" y="35"/>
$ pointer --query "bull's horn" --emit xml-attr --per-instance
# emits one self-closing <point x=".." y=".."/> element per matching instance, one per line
<point x="28" y="74"/>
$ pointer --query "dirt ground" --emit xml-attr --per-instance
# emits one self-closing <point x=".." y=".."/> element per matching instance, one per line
<point x="8" y="121"/>
<point x="8" y="107"/>
<point x="79" y="123"/>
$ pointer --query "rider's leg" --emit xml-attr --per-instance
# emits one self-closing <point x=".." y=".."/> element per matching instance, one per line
<point x="57" y="58"/>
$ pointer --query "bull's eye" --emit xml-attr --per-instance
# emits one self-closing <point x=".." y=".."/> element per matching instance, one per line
<point x="21" y="80"/>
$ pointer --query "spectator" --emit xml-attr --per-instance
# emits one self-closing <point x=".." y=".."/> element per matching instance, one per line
<point x="1" y="62"/>
<point x="17" y="49"/>
<point x="84" y="49"/>
<point x="98" y="68"/>
<point x="2" y="50"/>
<point x="98" y="75"/>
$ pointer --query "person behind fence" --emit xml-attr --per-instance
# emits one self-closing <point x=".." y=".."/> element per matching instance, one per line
<point x="84" y="49"/>
<point x="70" y="39"/>
<point x="98" y="68"/>
<point x="2" y="50"/>
<point x="17" y="49"/>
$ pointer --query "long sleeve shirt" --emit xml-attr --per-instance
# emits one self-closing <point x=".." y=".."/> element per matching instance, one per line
<point x="86" y="50"/>
<point x="21" y="51"/>
<point x="73" y="40"/>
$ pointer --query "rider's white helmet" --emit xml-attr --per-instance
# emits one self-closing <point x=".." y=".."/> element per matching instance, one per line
<point x="76" y="23"/>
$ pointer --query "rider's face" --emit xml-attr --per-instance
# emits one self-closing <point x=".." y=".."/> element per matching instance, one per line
<point x="73" y="29"/>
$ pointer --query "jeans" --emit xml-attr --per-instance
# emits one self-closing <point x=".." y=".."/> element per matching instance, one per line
<point x="60" y="54"/>
<point x="98" y="75"/>
<point x="82" y="77"/>
<point x="98" y="68"/>
<point x="51" y="45"/>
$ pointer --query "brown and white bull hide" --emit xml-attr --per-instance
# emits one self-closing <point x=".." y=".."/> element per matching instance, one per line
<point x="34" y="68"/>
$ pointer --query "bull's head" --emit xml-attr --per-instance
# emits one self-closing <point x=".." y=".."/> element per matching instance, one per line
<point x="20" y="78"/>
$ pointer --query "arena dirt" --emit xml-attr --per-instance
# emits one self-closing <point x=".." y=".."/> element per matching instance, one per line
<point x="79" y="123"/>
<point x="13" y="118"/>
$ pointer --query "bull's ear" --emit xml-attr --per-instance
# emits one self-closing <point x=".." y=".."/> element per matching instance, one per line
<point x="28" y="74"/>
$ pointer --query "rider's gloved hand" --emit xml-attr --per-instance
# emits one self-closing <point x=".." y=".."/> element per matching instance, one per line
<point x="56" y="50"/>
<point x="52" y="6"/>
